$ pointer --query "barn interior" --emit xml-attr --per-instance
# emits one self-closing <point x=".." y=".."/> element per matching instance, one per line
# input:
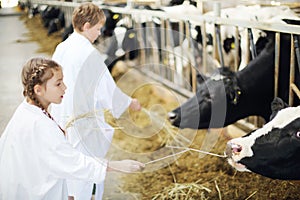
<point x="163" y="72"/>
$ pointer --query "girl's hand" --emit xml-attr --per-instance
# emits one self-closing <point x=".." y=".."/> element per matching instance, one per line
<point x="126" y="166"/>
<point x="135" y="105"/>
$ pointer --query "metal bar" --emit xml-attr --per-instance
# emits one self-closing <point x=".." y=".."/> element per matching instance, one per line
<point x="170" y="50"/>
<point x="141" y="43"/>
<point x="168" y="83"/>
<point x="252" y="45"/>
<point x="292" y="71"/>
<point x="165" y="61"/>
<point x="192" y="70"/>
<point x="277" y="58"/>
<point x="247" y="54"/>
<point x="219" y="45"/>
<point x="154" y="46"/>
<point x="237" y="47"/>
<point x="295" y="89"/>
<point x="204" y="48"/>
<point x="188" y="68"/>
<point x="297" y="49"/>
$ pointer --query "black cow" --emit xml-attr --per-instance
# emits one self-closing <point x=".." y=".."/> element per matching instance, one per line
<point x="223" y="99"/>
<point x="273" y="150"/>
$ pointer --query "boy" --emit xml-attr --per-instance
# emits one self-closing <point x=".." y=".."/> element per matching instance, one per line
<point x="91" y="90"/>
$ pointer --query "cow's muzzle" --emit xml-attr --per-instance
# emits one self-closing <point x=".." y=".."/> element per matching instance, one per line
<point x="232" y="149"/>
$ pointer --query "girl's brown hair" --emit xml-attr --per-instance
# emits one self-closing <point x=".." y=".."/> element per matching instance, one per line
<point x="87" y="12"/>
<point x="37" y="71"/>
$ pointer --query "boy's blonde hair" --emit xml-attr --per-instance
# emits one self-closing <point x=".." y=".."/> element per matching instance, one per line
<point x="87" y="12"/>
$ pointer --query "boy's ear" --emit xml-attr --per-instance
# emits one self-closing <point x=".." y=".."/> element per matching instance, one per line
<point x="38" y="90"/>
<point x="86" y="26"/>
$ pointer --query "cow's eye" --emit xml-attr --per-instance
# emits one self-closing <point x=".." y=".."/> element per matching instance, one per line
<point x="298" y="134"/>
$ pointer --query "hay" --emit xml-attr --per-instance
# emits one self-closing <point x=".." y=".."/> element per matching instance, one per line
<point x="183" y="191"/>
<point x="47" y="43"/>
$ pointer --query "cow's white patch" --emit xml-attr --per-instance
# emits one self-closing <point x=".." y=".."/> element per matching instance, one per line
<point x="238" y="166"/>
<point x="283" y="118"/>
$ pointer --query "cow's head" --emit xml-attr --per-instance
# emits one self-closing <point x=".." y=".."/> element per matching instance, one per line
<point x="273" y="150"/>
<point x="224" y="98"/>
<point x="111" y="22"/>
<point x="208" y="107"/>
<point x="228" y="44"/>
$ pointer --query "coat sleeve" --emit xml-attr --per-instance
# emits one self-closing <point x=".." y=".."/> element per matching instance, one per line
<point x="62" y="159"/>
<point x="108" y="95"/>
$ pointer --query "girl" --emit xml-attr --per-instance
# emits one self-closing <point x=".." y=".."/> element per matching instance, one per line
<point x="35" y="157"/>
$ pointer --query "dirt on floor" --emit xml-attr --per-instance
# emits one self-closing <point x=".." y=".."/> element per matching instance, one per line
<point x="146" y="136"/>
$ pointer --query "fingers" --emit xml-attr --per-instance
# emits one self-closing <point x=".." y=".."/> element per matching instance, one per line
<point x="133" y="166"/>
<point x="135" y="105"/>
<point x="137" y="166"/>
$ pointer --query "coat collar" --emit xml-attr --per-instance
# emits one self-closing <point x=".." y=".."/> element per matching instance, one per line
<point x="80" y="37"/>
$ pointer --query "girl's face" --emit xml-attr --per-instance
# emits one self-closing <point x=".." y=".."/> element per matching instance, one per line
<point x="54" y="89"/>
<point x="92" y="32"/>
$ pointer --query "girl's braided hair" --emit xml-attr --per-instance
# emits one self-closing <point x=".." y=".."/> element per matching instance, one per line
<point x="37" y="71"/>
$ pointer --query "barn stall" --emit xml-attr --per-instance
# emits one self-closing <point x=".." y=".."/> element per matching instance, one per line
<point x="158" y="81"/>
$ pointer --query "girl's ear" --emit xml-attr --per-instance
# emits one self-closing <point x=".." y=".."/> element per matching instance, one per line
<point x="38" y="90"/>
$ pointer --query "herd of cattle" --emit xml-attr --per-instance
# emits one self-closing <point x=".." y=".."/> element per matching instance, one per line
<point x="227" y="96"/>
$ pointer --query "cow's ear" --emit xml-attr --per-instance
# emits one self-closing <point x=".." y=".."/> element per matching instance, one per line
<point x="276" y="105"/>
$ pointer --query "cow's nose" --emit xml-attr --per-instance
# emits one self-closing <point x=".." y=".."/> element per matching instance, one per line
<point x="232" y="149"/>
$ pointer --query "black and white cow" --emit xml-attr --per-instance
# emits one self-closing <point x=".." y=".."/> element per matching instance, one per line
<point x="273" y="150"/>
<point x="111" y="22"/>
<point x="49" y="14"/>
<point x="123" y="45"/>
<point x="227" y="97"/>
<point x="57" y="23"/>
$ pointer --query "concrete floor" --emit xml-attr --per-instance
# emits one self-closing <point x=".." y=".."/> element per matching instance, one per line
<point x="13" y="54"/>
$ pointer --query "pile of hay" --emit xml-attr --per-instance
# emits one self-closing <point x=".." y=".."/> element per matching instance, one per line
<point x="38" y="33"/>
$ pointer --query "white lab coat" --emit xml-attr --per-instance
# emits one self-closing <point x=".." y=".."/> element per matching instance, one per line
<point x="36" y="159"/>
<point x="90" y="90"/>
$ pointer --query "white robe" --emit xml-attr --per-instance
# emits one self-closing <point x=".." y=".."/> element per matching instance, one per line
<point x="90" y="90"/>
<point x="36" y="159"/>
